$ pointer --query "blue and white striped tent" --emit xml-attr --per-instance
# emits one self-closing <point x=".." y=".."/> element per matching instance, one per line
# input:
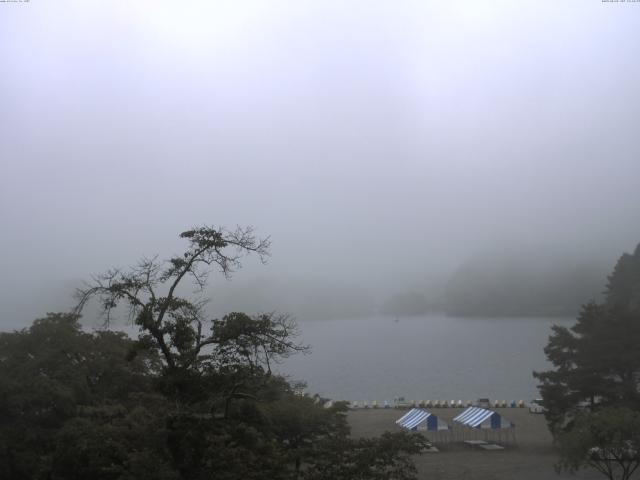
<point x="418" y="419"/>
<point x="476" y="417"/>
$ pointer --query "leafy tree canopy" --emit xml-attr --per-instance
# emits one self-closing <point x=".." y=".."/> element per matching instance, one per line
<point x="596" y="375"/>
<point x="607" y="439"/>
<point x="191" y="398"/>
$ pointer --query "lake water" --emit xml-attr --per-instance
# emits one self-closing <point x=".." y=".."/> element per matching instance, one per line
<point x="423" y="358"/>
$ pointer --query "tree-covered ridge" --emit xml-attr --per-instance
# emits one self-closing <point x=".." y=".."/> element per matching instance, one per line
<point x="190" y="398"/>
<point x="522" y="284"/>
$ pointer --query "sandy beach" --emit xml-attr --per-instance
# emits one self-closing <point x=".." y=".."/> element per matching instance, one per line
<point x="532" y="457"/>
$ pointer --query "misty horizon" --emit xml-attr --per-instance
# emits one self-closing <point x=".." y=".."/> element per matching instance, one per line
<point x="380" y="146"/>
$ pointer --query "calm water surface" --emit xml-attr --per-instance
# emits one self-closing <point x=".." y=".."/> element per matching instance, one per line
<point x="422" y="358"/>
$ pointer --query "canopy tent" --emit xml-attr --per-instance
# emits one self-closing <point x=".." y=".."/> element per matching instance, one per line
<point x="418" y="419"/>
<point x="491" y="424"/>
<point x="476" y="417"/>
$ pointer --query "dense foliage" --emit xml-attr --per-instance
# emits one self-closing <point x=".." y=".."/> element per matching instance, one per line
<point x="71" y="402"/>
<point x="606" y="439"/>
<point x="597" y="375"/>
<point x="189" y="399"/>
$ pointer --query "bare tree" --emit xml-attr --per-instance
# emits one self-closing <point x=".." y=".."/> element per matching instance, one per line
<point x="176" y="325"/>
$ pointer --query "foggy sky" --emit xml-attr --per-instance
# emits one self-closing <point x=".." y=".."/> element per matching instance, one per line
<point x="377" y="142"/>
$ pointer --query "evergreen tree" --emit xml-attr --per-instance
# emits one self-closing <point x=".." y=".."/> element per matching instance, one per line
<point x="596" y="362"/>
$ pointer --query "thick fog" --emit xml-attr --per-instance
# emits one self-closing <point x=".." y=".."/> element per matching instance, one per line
<point x="382" y="145"/>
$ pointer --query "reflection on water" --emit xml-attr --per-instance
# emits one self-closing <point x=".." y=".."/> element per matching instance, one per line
<point x="422" y="358"/>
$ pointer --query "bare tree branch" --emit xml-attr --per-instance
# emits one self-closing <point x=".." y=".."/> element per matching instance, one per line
<point x="149" y="290"/>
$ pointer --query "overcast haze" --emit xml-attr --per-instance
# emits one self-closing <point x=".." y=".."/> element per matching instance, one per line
<point x="378" y="143"/>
